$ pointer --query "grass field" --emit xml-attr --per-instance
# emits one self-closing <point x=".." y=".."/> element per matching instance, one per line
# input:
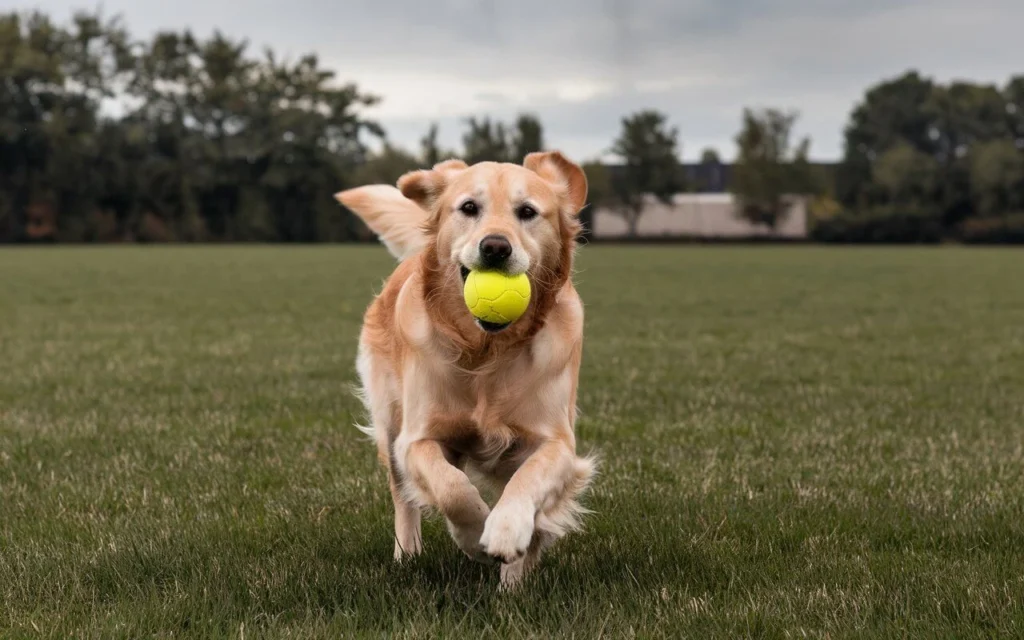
<point x="795" y="442"/>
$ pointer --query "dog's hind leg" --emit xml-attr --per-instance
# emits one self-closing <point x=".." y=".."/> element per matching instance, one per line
<point x="408" y="540"/>
<point x="385" y="415"/>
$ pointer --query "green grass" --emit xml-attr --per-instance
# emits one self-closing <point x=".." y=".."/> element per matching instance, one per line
<point x="795" y="442"/>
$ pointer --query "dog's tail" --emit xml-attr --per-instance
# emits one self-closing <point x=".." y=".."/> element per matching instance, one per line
<point x="398" y="221"/>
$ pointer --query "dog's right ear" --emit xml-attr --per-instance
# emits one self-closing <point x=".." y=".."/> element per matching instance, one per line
<point x="425" y="187"/>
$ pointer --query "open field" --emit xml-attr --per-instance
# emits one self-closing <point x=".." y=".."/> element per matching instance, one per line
<point x="794" y="440"/>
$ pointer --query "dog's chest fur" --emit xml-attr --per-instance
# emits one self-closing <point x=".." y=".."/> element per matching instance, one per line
<point x="496" y="413"/>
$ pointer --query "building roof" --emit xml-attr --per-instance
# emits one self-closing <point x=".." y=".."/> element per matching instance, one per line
<point x="715" y="178"/>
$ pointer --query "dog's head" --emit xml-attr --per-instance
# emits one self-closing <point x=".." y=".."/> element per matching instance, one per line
<point x="511" y="218"/>
<point x="455" y="218"/>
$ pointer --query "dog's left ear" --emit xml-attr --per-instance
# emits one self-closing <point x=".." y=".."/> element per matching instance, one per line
<point x="426" y="186"/>
<point x="560" y="171"/>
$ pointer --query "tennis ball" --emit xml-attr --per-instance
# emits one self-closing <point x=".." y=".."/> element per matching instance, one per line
<point x="494" y="297"/>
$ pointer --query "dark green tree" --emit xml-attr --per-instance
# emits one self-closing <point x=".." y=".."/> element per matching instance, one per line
<point x="253" y="145"/>
<point x="527" y="137"/>
<point x="490" y="140"/>
<point x="430" y="148"/>
<point x="649" y="151"/>
<point x="891" y="112"/>
<point x="485" y="140"/>
<point x="1013" y="94"/>
<point x="907" y="176"/>
<point x="386" y="166"/>
<point x="710" y="169"/>
<point x="431" y="151"/>
<point x="599" y="193"/>
<point x="997" y="177"/>
<point x="769" y="167"/>
<point x="710" y="156"/>
<point x="53" y="79"/>
<point x="963" y="115"/>
<point x="948" y="128"/>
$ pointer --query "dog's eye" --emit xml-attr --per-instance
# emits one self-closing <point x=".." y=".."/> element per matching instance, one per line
<point x="526" y="212"/>
<point x="469" y="208"/>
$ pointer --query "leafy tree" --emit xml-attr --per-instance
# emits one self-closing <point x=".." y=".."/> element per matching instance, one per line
<point x="942" y="124"/>
<point x="255" y="143"/>
<point x="891" y="112"/>
<point x="963" y="114"/>
<point x="53" y="79"/>
<point x="431" y="151"/>
<point x="527" y="137"/>
<point x="769" y="168"/>
<point x="490" y="140"/>
<point x="599" y="188"/>
<point x="710" y="169"/>
<point x="710" y="156"/>
<point x="311" y="141"/>
<point x="907" y="176"/>
<point x="1013" y="94"/>
<point x="218" y="143"/>
<point x="599" y="192"/>
<point x="386" y="166"/>
<point x="997" y="177"/>
<point x="649" y="151"/>
<point x="485" y="141"/>
<point x="429" y="147"/>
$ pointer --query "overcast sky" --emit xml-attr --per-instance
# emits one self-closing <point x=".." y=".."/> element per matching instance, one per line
<point x="582" y="64"/>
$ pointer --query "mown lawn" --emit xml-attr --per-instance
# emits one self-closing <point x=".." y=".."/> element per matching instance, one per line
<point x="795" y="441"/>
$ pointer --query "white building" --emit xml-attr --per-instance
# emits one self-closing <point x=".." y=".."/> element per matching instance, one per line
<point x="701" y="215"/>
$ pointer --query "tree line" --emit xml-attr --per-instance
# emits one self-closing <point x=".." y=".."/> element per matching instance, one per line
<point x="106" y="138"/>
<point x="926" y="161"/>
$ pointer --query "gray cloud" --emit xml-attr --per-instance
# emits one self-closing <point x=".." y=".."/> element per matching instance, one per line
<point x="582" y="64"/>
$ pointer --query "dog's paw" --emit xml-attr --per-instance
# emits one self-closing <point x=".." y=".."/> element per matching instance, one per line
<point x="468" y="540"/>
<point x="508" y="531"/>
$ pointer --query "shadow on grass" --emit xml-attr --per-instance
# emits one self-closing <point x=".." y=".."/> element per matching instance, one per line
<point x="294" y="568"/>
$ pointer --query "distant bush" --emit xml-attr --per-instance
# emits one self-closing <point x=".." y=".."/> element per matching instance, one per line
<point x="885" y="224"/>
<point x="1008" y="229"/>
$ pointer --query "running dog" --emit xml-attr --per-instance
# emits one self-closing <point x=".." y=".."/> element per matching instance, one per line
<point x="458" y="406"/>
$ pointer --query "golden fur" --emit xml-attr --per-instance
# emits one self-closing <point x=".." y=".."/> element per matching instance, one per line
<point x="454" y="409"/>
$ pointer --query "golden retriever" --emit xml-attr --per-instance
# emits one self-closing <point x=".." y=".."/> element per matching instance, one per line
<point x="459" y="406"/>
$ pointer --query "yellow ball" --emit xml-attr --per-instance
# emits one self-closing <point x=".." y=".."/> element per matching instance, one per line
<point x="495" y="297"/>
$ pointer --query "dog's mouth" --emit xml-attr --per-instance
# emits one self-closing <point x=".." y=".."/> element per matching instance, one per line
<point x="464" y="272"/>
<point x="492" y="327"/>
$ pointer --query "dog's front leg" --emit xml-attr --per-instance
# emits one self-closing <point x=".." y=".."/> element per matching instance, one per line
<point x="444" y="486"/>
<point x="539" y="484"/>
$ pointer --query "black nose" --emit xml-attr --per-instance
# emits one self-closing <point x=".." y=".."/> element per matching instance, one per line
<point x="495" y="250"/>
